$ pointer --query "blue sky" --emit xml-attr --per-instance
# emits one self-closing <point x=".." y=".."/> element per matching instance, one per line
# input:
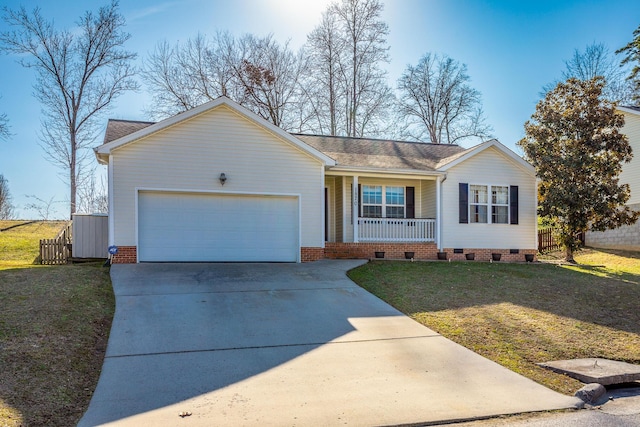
<point x="511" y="48"/>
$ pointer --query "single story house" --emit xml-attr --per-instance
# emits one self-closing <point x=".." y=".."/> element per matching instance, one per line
<point x="627" y="236"/>
<point x="219" y="183"/>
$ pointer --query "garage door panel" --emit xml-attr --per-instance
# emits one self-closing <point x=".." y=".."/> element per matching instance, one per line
<point x="197" y="227"/>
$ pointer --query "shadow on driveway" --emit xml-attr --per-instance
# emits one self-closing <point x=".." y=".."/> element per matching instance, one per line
<point x="295" y="344"/>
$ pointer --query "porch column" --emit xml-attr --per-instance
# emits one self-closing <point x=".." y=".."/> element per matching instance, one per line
<point x="354" y="209"/>
<point x="438" y="213"/>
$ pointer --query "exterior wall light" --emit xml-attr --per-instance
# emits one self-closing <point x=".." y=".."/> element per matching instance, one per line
<point x="223" y="178"/>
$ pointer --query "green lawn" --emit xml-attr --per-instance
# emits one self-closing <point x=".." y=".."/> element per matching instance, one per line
<point x="54" y="326"/>
<point x="522" y="314"/>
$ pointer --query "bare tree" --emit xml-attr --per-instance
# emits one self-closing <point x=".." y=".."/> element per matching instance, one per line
<point x="189" y="74"/>
<point x="45" y="209"/>
<point x="4" y="126"/>
<point x="632" y="57"/>
<point x="79" y="73"/>
<point x="257" y="72"/>
<point x="6" y="207"/>
<point x="596" y="60"/>
<point x="322" y="88"/>
<point x="269" y="74"/>
<point x="437" y="102"/>
<point x="346" y="51"/>
<point x="92" y="197"/>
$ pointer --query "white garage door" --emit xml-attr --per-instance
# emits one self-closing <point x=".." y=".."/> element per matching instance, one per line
<point x="216" y="227"/>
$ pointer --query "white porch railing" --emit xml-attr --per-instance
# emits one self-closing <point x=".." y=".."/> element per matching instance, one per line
<point x="396" y="230"/>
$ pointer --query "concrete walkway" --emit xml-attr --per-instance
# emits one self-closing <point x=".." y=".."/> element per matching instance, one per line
<point x="286" y="344"/>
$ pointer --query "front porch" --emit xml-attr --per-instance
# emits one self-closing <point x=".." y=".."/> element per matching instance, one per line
<point x="388" y="209"/>
<point x="396" y="230"/>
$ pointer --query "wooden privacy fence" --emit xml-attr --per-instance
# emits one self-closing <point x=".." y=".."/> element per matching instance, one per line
<point x="57" y="250"/>
<point x="546" y="242"/>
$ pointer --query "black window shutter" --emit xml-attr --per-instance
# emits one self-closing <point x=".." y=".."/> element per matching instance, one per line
<point x="463" y="197"/>
<point x="359" y="200"/>
<point x="411" y="204"/>
<point x="513" y="204"/>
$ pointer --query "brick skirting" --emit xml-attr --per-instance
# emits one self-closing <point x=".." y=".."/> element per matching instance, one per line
<point x="334" y="250"/>
<point x="311" y="254"/>
<point x="486" y="254"/>
<point x="125" y="255"/>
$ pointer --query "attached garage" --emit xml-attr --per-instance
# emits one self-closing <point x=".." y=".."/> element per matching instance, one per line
<point x="216" y="183"/>
<point x="210" y="227"/>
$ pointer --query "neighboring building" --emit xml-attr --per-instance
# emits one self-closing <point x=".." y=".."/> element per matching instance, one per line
<point x="628" y="236"/>
<point x="219" y="183"/>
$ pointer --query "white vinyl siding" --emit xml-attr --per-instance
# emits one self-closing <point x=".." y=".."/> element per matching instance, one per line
<point x="493" y="168"/>
<point x="631" y="171"/>
<point x="428" y="206"/>
<point x="192" y="154"/>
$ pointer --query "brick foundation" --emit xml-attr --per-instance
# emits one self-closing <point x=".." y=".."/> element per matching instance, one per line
<point x="311" y="254"/>
<point x="125" y="255"/>
<point x="486" y="254"/>
<point x="334" y="250"/>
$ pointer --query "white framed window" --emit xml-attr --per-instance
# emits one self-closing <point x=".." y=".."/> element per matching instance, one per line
<point x="394" y="202"/>
<point x="499" y="204"/>
<point x="380" y="201"/>
<point x="478" y="203"/>
<point x="489" y="204"/>
<point x="372" y="201"/>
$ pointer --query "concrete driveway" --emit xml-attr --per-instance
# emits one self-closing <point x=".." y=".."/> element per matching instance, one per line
<point x="286" y="344"/>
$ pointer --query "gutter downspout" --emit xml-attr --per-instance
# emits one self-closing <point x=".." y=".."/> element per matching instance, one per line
<point x="111" y="219"/>
<point x="439" y="182"/>
<point x="354" y="209"/>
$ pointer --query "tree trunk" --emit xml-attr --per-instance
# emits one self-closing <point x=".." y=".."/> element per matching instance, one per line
<point x="73" y="184"/>
<point x="568" y="257"/>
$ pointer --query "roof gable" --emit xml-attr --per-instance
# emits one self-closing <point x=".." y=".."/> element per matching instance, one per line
<point x="123" y="132"/>
<point x="458" y="158"/>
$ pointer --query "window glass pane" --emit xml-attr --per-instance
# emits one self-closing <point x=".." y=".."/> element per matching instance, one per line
<point x="478" y="194"/>
<point x="372" y="194"/>
<point x="500" y="214"/>
<point x="372" y="211"/>
<point x="395" y="211"/>
<point x="395" y="195"/>
<point x="500" y="195"/>
<point x="478" y="213"/>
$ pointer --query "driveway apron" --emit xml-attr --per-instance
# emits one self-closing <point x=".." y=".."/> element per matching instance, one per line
<point x="286" y="344"/>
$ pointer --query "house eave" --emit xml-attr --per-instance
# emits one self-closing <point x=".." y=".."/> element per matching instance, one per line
<point x="628" y="110"/>
<point x="370" y="171"/>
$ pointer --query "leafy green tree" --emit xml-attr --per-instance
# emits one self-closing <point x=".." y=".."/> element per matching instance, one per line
<point x="632" y="56"/>
<point x="574" y="141"/>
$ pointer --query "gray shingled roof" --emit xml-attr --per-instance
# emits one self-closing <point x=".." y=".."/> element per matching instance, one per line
<point x="354" y="152"/>
<point x="119" y="128"/>
<point x="382" y="154"/>
<point x="631" y="107"/>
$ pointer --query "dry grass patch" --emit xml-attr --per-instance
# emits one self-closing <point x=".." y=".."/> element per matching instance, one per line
<point x="54" y="325"/>
<point x="20" y="245"/>
<point x="521" y="314"/>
